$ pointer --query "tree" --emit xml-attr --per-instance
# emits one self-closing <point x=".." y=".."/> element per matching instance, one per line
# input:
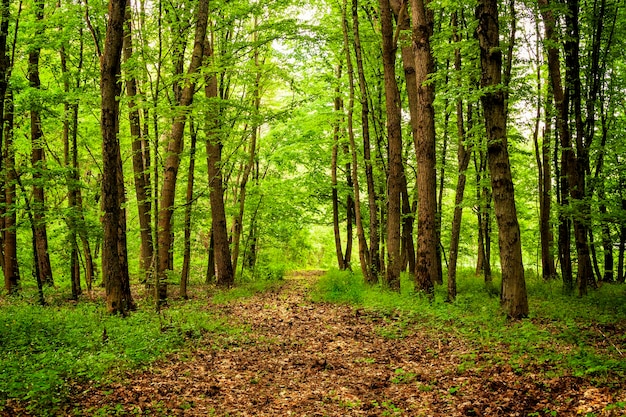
<point x="426" y="271"/>
<point x="513" y="296"/>
<point x="221" y="248"/>
<point x="174" y="150"/>
<point x="394" y="138"/>
<point x="114" y="257"/>
<point x="38" y="160"/>
<point x="9" y="236"/>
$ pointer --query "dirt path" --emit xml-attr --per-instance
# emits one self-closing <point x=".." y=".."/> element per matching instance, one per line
<point x="306" y="359"/>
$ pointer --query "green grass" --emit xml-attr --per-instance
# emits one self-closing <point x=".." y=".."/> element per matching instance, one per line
<point x="563" y="335"/>
<point x="46" y="351"/>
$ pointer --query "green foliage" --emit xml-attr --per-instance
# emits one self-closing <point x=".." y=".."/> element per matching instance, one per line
<point x="44" y="352"/>
<point x="564" y="335"/>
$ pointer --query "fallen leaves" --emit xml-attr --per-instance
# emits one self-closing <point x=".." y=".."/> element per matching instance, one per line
<point x="307" y="359"/>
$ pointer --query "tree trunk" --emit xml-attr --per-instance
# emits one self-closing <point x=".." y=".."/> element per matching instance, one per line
<point x="463" y="158"/>
<point x="174" y="150"/>
<point x="394" y="138"/>
<point x="580" y="160"/>
<point x="372" y="198"/>
<point x="408" y="65"/>
<point x="7" y="163"/>
<point x="567" y="178"/>
<point x="364" y="253"/>
<point x="184" y="275"/>
<point x="114" y="265"/>
<point x="9" y="239"/>
<point x="426" y="271"/>
<point x="252" y="153"/>
<point x="513" y="297"/>
<point x="338" y="108"/>
<point x="223" y="263"/>
<point x="38" y="164"/>
<point x="141" y="157"/>
<point x="70" y="161"/>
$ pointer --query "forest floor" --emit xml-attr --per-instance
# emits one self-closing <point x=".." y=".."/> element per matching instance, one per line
<point x="303" y="358"/>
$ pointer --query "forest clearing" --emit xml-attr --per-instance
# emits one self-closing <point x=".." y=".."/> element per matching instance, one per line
<point x="301" y="355"/>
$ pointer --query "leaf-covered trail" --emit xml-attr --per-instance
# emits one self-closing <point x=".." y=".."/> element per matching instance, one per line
<point x="316" y="359"/>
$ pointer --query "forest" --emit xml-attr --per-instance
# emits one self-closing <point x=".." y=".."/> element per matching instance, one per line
<point x="430" y="157"/>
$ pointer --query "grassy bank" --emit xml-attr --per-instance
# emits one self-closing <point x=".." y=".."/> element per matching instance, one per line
<point x="564" y="335"/>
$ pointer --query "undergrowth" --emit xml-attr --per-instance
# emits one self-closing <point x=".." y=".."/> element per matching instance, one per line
<point x="46" y="353"/>
<point x="564" y="334"/>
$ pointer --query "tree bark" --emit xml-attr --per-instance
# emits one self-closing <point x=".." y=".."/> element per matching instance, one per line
<point x="114" y="258"/>
<point x="372" y="198"/>
<point x="174" y="150"/>
<point x="394" y="138"/>
<point x="426" y="271"/>
<point x="9" y="219"/>
<point x="513" y="297"/>
<point x="38" y="163"/>
<point x="184" y="274"/>
<point x="223" y="263"/>
<point x="364" y="253"/>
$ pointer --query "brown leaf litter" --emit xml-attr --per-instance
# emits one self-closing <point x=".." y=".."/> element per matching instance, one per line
<point x="317" y="359"/>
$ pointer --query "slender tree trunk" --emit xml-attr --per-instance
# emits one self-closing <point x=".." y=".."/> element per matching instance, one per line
<point x="543" y="156"/>
<point x="364" y="257"/>
<point x="463" y="158"/>
<point x="408" y="219"/>
<point x="210" y="271"/>
<point x="223" y="263"/>
<point x="184" y="275"/>
<point x="9" y="240"/>
<point x="252" y="153"/>
<point x="579" y="160"/>
<point x="365" y="128"/>
<point x="513" y="297"/>
<point x="426" y="271"/>
<point x="408" y="64"/>
<point x="567" y="157"/>
<point x="114" y="258"/>
<point x="70" y="161"/>
<point x="141" y="157"/>
<point x="7" y="163"/>
<point x="174" y="150"/>
<point x="394" y="138"/>
<point x="38" y="163"/>
<point x="338" y="108"/>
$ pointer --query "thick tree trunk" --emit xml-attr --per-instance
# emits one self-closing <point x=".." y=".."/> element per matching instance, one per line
<point x="223" y="262"/>
<point x="114" y="265"/>
<point x="141" y="157"/>
<point x="394" y="138"/>
<point x="174" y="150"/>
<point x="426" y="271"/>
<point x="38" y="164"/>
<point x="513" y="297"/>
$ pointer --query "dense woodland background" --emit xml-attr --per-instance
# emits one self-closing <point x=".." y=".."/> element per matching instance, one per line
<point x="160" y="142"/>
